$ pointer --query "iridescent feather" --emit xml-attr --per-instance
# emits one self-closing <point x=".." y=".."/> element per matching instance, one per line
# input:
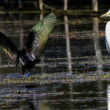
<point x="40" y="32"/>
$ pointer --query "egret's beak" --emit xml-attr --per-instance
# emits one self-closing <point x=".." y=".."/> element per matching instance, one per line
<point x="105" y="15"/>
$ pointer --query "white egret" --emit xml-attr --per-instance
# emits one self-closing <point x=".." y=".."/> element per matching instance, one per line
<point x="107" y="31"/>
<point x="37" y="38"/>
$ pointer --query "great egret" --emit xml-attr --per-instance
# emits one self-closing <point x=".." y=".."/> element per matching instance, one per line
<point x="107" y="31"/>
<point x="34" y="48"/>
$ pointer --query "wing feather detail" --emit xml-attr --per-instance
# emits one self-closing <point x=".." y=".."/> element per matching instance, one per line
<point x="7" y="46"/>
<point x="39" y="34"/>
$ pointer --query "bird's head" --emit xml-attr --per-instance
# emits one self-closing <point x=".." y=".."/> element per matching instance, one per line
<point x="107" y="14"/>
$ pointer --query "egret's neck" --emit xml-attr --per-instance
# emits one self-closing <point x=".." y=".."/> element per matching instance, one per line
<point x="107" y="32"/>
<point x="107" y="28"/>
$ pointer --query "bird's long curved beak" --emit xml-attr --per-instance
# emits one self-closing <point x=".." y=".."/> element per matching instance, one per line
<point x="104" y="15"/>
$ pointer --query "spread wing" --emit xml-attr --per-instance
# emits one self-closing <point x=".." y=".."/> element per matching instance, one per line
<point x="7" y="46"/>
<point x="39" y="34"/>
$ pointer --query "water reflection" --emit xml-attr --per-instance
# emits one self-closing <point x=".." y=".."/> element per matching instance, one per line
<point x="53" y="96"/>
<point x="97" y="44"/>
<point x="21" y="32"/>
<point x="73" y="47"/>
<point x="108" y="97"/>
<point x="41" y="8"/>
<point x="68" y="50"/>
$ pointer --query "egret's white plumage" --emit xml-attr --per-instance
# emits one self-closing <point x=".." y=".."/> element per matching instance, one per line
<point x="107" y="38"/>
<point x="107" y="31"/>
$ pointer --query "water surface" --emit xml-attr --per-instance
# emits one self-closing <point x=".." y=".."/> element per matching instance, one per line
<point x="59" y="82"/>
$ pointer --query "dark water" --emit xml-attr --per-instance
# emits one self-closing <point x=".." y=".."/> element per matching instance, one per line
<point x="56" y="96"/>
<point x="48" y="87"/>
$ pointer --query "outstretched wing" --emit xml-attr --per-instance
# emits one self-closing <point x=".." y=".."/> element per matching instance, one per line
<point x="8" y="47"/>
<point x="39" y="34"/>
<point x="107" y="45"/>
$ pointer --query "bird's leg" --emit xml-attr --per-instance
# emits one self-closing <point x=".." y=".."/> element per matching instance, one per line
<point x="23" y="70"/>
<point x="27" y="73"/>
<point x="29" y="70"/>
<point x="17" y="62"/>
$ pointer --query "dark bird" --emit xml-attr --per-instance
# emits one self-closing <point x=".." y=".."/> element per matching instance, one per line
<point x="37" y="38"/>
